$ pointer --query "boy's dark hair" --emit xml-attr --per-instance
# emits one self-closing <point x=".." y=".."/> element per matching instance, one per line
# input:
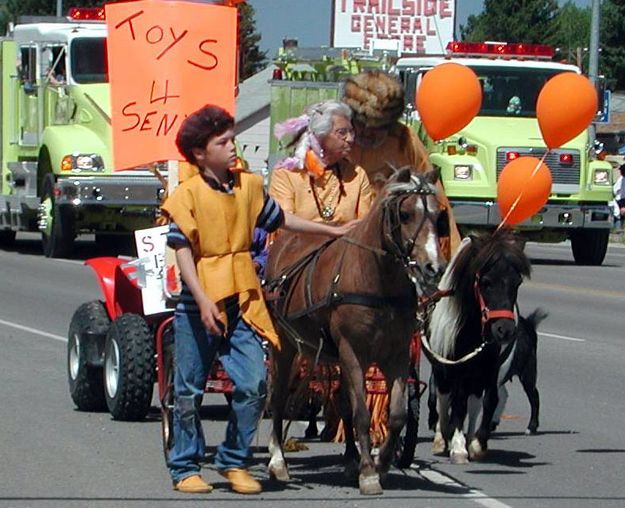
<point x="201" y="126"/>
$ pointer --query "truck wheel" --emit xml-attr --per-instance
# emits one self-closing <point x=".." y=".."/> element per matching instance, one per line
<point x="86" y="385"/>
<point x="589" y="246"/>
<point x="408" y="437"/>
<point x="129" y="368"/>
<point x="55" y="223"/>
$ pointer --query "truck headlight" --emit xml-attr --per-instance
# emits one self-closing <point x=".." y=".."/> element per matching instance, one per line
<point x="601" y="177"/>
<point x="82" y="162"/>
<point x="463" y="172"/>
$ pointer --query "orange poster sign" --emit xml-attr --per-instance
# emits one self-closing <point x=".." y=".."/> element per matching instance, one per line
<point x="165" y="60"/>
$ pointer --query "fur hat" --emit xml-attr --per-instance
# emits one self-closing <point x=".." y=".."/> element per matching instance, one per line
<point x="376" y="98"/>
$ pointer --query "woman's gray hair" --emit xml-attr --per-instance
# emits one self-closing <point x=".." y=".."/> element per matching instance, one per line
<point x="321" y="116"/>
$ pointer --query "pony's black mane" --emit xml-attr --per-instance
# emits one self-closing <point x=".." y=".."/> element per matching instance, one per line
<point x="483" y="252"/>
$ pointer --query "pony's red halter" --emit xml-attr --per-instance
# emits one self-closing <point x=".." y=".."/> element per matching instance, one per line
<point x="486" y="313"/>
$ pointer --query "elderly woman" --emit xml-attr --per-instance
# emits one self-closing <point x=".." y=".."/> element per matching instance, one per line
<point x="383" y="143"/>
<point x="318" y="182"/>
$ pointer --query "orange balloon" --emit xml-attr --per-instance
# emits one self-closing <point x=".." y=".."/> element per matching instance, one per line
<point x="523" y="189"/>
<point x="448" y="98"/>
<point x="566" y="106"/>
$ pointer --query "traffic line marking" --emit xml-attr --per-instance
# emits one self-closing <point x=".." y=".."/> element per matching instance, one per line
<point x="563" y="337"/>
<point x="474" y="495"/>
<point x="32" y="330"/>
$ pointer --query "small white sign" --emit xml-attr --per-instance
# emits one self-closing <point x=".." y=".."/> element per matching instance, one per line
<point x="151" y="245"/>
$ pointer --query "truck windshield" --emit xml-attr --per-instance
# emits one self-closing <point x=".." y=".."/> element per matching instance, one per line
<point x="511" y="91"/>
<point x="88" y="60"/>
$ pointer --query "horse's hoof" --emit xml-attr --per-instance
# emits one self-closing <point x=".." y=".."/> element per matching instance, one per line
<point x="370" y="485"/>
<point x="459" y="458"/>
<point x="279" y="471"/>
<point x="476" y="452"/>
<point x="438" y="446"/>
<point x="530" y="431"/>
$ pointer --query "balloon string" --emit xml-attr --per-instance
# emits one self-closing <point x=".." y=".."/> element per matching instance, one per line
<point x="518" y="199"/>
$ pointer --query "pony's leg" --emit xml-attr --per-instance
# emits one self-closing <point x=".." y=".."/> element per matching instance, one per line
<point x="474" y="405"/>
<point x="368" y="480"/>
<point x="491" y="399"/>
<point x="501" y="405"/>
<point x="397" y="419"/>
<point x="282" y="363"/>
<point x="458" y="446"/>
<point x="528" y="380"/>
<point x="441" y="434"/>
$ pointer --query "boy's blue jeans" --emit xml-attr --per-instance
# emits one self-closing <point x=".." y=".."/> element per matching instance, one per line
<point x="243" y="358"/>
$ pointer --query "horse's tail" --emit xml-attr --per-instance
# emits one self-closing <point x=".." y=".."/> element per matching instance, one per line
<point x="537" y="317"/>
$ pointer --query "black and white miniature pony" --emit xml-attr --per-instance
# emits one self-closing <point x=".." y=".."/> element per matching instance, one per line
<point x="469" y="332"/>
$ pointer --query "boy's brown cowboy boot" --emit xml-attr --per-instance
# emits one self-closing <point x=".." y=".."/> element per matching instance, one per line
<point x="241" y="481"/>
<point x="193" y="485"/>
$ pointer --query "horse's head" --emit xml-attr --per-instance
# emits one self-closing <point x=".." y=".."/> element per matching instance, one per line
<point x="411" y="211"/>
<point x="494" y="268"/>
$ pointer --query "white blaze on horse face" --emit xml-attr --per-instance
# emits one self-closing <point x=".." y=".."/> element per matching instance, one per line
<point x="431" y="243"/>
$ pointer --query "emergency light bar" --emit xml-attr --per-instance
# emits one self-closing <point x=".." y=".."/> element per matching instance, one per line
<point x="86" y="14"/>
<point x="520" y="49"/>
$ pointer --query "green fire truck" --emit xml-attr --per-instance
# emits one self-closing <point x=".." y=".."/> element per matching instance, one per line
<point x="57" y="173"/>
<point x="511" y="76"/>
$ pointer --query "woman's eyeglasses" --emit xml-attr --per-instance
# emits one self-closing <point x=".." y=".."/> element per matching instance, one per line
<point x="344" y="133"/>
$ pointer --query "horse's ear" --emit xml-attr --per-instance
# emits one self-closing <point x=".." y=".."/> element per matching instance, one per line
<point x="403" y="175"/>
<point x="433" y="176"/>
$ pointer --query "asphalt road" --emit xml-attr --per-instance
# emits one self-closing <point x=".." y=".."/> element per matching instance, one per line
<point x="53" y="455"/>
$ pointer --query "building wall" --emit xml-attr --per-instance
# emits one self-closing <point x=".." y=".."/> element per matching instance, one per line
<point x="254" y="141"/>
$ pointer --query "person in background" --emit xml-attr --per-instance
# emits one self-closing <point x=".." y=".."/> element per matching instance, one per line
<point x="221" y="310"/>
<point x="383" y="144"/>
<point x="619" y="199"/>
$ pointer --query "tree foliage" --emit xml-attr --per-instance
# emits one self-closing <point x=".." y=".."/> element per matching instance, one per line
<point x="252" y="59"/>
<point x="530" y="21"/>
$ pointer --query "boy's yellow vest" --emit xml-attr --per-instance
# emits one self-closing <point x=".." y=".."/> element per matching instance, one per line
<point x="220" y="228"/>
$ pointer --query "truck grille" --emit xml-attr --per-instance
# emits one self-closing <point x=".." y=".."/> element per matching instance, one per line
<point x="565" y="176"/>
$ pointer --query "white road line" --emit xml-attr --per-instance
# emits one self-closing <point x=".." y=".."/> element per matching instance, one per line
<point x="70" y="261"/>
<point x="33" y="330"/>
<point x="563" y="337"/>
<point x="472" y="494"/>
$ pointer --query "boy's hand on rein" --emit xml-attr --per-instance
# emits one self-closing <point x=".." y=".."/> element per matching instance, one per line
<point x="209" y="313"/>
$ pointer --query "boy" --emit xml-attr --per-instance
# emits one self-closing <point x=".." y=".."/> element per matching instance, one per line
<point x="221" y="309"/>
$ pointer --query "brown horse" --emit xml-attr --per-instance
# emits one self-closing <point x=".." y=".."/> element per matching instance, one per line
<point x="353" y="300"/>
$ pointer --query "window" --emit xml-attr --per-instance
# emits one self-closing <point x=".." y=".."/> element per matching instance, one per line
<point x="88" y="60"/>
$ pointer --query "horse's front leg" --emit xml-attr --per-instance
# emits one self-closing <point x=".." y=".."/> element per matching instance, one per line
<point x="458" y="445"/>
<point x="479" y="444"/>
<point x="282" y="364"/>
<point x="351" y="458"/>
<point x="368" y="480"/>
<point x="397" y="420"/>
<point x="474" y="406"/>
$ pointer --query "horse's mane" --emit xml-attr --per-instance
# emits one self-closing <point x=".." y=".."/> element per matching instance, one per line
<point x="482" y="252"/>
<point x="476" y="254"/>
